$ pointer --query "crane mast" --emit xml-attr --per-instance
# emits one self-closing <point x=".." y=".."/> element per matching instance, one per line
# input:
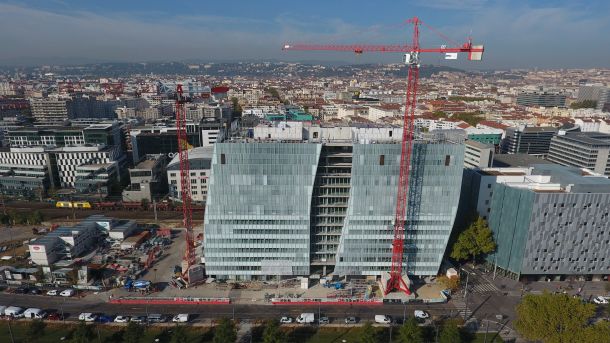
<point x="396" y="281"/>
<point x="185" y="182"/>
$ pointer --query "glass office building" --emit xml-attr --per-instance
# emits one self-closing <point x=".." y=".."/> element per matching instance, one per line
<point x="293" y="209"/>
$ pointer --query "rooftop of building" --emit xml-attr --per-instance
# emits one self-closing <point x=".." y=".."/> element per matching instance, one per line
<point x="479" y="145"/>
<point x="195" y="154"/>
<point x="517" y="160"/>
<point x="149" y="162"/>
<point x="588" y="138"/>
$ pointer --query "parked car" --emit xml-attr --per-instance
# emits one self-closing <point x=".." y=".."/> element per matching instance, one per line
<point x="88" y="317"/>
<point x="13" y="311"/>
<point x="600" y="300"/>
<point x="105" y="319"/>
<point x="22" y="290"/>
<point x="138" y="319"/>
<point x="351" y="320"/>
<point x="156" y="318"/>
<point x="121" y="319"/>
<point x="55" y="316"/>
<point x="67" y="292"/>
<point x="382" y="319"/>
<point x="285" y="320"/>
<point x="421" y="314"/>
<point x="181" y="318"/>
<point x="35" y="291"/>
<point x="34" y="313"/>
<point x="323" y="320"/>
<point x="53" y="292"/>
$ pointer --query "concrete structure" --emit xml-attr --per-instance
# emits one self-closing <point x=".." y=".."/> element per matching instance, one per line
<point x="200" y="160"/>
<point x="541" y="99"/>
<point x="148" y="179"/>
<point x="64" y="243"/>
<point x="292" y="209"/>
<point x="590" y="150"/>
<point x="478" y="155"/>
<point x="528" y="140"/>
<point x="554" y="223"/>
<point x="26" y="172"/>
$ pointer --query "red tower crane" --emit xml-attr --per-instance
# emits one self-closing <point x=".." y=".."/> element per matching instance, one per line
<point x="475" y="52"/>
<point x="185" y="182"/>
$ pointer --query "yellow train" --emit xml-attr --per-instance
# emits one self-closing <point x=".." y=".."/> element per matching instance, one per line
<point x="73" y="204"/>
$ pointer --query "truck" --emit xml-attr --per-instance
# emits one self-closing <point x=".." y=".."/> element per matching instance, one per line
<point x="306" y="318"/>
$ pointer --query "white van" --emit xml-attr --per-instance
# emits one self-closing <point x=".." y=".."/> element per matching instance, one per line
<point x="13" y="311"/>
<point x="306" y="318"/>
<point x="382" y="319"/>
<point x="67" y="292"/>
<point x="34" y="313"/>
<point x="181" y="318"/>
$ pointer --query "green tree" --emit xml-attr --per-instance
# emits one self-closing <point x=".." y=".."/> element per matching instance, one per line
<point x="225" y="331"/>
<point x="553" y="318"/>
<point x="35" y="329"/>
<point x="133" y="333"/>
<point x="179" y="335"/>
<point x="82" y="334"/>
<point x="410" y="332"/>
<point x="452" y="283"/>
<point x="477" y="239"/>
<point x="273" y="333"/>
<point x="599" y="332"/>
<point x="583" y="104"/>
<point x="450" y="333"/>
<point x="236" y="106"/>
<point x="368" y="334"/>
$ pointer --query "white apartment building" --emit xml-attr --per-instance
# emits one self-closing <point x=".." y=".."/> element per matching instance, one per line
<point x="200" y="160"/>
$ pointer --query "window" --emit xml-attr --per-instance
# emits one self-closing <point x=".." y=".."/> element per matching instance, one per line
<point x="447" y="160"/>
<point x="390" y="133"/>
<point x="315" y="135"/>
<point x="223" y="159"/>
<point x="489" y="185"/>
<point x="381" y="160"/>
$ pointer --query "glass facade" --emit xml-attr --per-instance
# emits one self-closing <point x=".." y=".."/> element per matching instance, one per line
<point x="257" y="217"/>
<point x="279" y="208"/>
<point x="365" y="247"/>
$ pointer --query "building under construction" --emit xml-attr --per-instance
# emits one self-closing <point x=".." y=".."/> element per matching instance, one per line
<point x="321" y="200"/>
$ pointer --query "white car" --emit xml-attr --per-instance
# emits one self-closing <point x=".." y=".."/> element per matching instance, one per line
<point x="121" y="319"/>
<point x="421" y="314"/>
<point x="53" y="292"/>
<point x="67" y="292"/>
<point x="285" y="320"/>
<point x="181" y="318"/>
<point x="600" y="300"/>
<point x="88" y="317"/>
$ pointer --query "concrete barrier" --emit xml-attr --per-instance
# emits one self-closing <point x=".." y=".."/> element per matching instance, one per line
<point x="325" y="301"/>
<point x="170" y="301"/>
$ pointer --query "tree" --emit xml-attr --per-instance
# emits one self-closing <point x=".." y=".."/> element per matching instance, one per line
<point x="452" y="283"/>
<point x="82" y="333"/>
<point x="273" y="333"/>
<point x="133" y="333"/>
<point x="225" y="332"/>
<point x="410" y="332"/>
<point x="35" y="329"/>
<point x="553" y="318"/>
<point x="236" y="106"/>
<point x="179" y="335"/>
<point x="477" y="239"/>
<point x="450" y="333"/>
<point x="368" y="334"/>
<point x="583" y="104"/>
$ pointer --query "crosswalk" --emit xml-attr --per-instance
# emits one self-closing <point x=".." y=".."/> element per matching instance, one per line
<point x="461" y="308"/>
<point x="482" y="288"/>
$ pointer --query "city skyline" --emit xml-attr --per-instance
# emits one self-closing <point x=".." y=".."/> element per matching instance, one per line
<point x="516" y="34"/>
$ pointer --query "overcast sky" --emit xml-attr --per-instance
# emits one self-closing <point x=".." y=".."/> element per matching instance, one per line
<point x="516" y="33"/>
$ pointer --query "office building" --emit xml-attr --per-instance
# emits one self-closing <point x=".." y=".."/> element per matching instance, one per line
<point x="200" y="160"/>
<point x="163" y="139"/>
<point x="531" y="140"/>
<point x="326" y="205"/>
<point x="541" y="99"/>
<point x="98" y="179"/>
<point x="478" y="155"/>
<point x="68" y="159"/>
<point x="148" y="179"/>
<point x="590" y="150"/>
<point x="598" y="93"/>
<point x="110" y="134"/>
<point x="552" y="224"/>
<point x="26" y="172"/>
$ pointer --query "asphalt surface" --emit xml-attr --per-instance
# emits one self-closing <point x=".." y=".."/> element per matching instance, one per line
<point x="72" y="307"/>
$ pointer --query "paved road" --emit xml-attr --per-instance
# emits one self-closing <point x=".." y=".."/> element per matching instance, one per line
<point x="73" y="306"/>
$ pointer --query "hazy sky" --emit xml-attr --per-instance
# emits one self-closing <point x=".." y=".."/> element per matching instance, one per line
<point x="516" y="33"/>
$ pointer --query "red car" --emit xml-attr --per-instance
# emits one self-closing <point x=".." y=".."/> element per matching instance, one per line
<point x="55" y="316"/>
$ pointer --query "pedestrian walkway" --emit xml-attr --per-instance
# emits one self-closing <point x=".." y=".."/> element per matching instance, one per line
<point x="244" y="332"/>
<point x="482" y="287"/>
<point x="460" y="306"/>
